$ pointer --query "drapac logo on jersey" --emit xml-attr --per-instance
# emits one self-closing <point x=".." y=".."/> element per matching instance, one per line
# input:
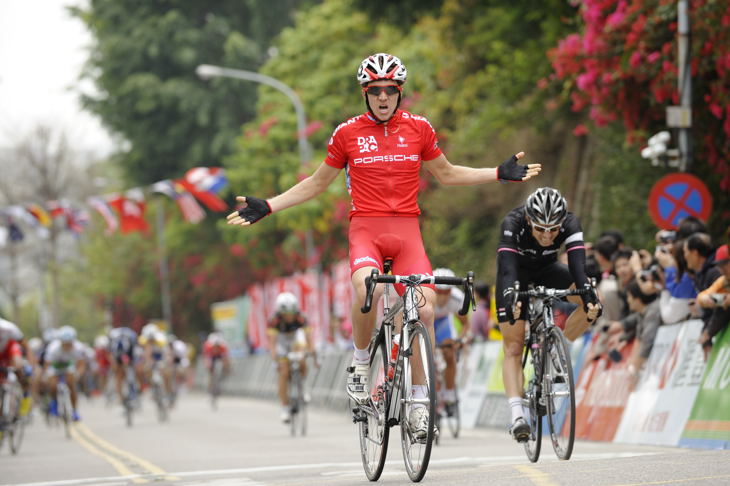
<point x="367" y="144"/>
<point x="402" y="142"/>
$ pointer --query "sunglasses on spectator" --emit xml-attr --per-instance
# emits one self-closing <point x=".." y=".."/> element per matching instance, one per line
<point x="390" y="89"/>
<point x="546" y="229"/>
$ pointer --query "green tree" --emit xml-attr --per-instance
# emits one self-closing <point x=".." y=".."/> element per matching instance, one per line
<point x="143" y="65"/>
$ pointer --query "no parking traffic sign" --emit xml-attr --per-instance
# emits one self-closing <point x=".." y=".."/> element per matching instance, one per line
<point x="676" y="196"/>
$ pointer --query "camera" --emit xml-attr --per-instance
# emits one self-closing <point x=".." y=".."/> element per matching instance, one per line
<point x="666" y="236"/>
<point x="651" y="273"/>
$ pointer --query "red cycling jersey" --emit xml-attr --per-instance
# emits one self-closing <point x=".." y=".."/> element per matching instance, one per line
<point x="214" y="350"/>
<point x="383" y="161"/>
<point x="12" y="350"/>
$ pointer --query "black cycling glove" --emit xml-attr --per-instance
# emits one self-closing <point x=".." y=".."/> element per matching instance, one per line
<point x="505" y="314"/>
<point x="510" y="170"/>
<point x="590" y="297"/>
<point x="256" y="209"/>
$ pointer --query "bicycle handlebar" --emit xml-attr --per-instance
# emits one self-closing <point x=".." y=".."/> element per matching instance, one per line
<point x="417" y="280"/>
<point x="542" y="292"/>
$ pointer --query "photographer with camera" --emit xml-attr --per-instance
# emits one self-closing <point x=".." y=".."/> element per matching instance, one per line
<point x="716" y="300"/>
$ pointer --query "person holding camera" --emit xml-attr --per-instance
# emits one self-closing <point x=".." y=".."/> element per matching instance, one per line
<point x="716" y="299"/>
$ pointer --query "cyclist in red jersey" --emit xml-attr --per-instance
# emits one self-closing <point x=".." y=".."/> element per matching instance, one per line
<point x="382" y="152"/>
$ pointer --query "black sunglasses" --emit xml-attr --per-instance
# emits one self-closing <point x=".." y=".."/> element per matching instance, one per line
<point x="390" y="90"/>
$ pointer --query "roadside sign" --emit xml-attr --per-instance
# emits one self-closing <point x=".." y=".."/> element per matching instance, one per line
<point x="676" y="196"/>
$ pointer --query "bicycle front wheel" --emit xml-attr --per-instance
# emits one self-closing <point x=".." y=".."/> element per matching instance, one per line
<point x="372" y="420"/>
<point x="559" y="391"/>
<point x="419" y="392"/>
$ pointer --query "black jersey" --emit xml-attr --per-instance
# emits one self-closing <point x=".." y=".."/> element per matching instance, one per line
<point x="516" y="236"/>
<point x="518" y="251"/>
<point x="277" y="322"/>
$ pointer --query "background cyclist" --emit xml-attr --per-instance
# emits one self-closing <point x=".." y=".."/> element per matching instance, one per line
<point x="288" y="331"/>
<point x="382" y="151"/>
<point x="65" y="356"/>
<point x="215" y="348"/>
<point x="530" y="237"/>
<point x="449" y="300"/>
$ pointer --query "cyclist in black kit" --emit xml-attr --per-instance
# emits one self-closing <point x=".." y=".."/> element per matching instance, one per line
<point x="288" y="331"/>
<point x="530" y="238"/>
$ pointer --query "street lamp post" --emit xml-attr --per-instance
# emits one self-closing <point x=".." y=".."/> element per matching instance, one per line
<point x="206" y="71"/>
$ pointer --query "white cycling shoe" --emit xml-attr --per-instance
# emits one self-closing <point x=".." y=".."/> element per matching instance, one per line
<point x="418" y="423"/>
<point x="357" y="381"/>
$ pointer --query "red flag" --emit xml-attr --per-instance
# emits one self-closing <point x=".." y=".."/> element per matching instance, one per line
<point x="204" y="183"/>
<point x="131" y="211"/>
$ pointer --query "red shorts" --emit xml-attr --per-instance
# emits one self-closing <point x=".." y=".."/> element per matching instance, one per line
<point x="373" y="239"/>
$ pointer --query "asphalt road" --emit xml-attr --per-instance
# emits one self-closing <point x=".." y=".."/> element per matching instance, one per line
<point x="244" y="444"/>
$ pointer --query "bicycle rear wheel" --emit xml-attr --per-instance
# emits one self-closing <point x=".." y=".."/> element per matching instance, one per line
<point x="532" y="400"/>
<point x="417" y="449"/>
<point x="372" y="417"/>
<point x="560" y="394"/>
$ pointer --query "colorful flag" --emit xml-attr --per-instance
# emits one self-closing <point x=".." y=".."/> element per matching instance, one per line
<point x="39" y="214"/>
<point x="130" y="206"/>
<point x="112" y="223"/>
<point x="75" y="220"/>
<point x="191" y="210"/>
<point x="205" y="183"/>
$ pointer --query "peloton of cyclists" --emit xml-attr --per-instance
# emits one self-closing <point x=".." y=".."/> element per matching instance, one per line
<point x="530" y="237"/>
<point x="288" y="331"/>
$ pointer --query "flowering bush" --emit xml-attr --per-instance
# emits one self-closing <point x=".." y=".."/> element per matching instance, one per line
<point x="623" y="66"/>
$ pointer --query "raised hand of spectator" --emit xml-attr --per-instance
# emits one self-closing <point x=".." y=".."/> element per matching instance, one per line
<point x="664" y="257"/>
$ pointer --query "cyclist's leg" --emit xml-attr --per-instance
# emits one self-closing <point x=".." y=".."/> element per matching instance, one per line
<point x="72" y="386"/>
<point x="283" y="365"/>
<point x="363" y="324"/>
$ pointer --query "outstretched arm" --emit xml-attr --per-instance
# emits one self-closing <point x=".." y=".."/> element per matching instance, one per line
<point x="302" y="191"/>
<point x="457" y="175"/>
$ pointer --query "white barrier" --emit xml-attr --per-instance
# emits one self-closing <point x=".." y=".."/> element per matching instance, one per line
<point x="659" y="407"/>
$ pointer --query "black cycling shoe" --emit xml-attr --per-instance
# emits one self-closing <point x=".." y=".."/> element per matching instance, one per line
<point x="520" y="430"/>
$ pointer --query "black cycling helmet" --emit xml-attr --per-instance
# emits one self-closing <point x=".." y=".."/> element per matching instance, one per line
<point x="546" y="207"/>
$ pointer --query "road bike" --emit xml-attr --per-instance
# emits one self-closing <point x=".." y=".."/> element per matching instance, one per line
<point x="297" y="394"/>
<point x="63" y="403"/>
<point x="448" y="412"/>
<point x="12" y="424"/>
<point x="392" y="383"/>
<point x="159" y="395"/>
<point x="214" y="388"/>
<point x="129" y="394"/>
<point x="550" y="392"/>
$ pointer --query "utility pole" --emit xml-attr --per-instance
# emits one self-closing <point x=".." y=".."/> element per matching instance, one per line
<point x="680" y="117"/>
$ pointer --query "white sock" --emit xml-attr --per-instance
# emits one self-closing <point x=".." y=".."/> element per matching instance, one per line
<point x="450" y="395"/>
<point x="515" y="405"/>
<point x="362" y="356"/>
<point x="419" y="391"/>
<point x="526" y="414"/>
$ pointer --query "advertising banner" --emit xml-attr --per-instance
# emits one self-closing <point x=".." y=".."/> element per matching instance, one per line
<point x="601" y="395"/>
<point x="709" y="422"/>
<point x="473" y="376"/>
<point x="229" y="318"/>
<point x="658" y="408"/>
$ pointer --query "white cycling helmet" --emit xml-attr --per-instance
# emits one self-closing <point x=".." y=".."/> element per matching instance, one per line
<point x="49" y="334"/>
<point x="149" y="330"/>
<point x="215" y="338"/>
<point x="546" y="207"/>
<point x="101" y="342"/>
<point x="286" y="303"/>
<point x="35" y="344"/>
<point x="66" y="334"/>
<point x="443" y="272"/>
<point x="381" y="66"/>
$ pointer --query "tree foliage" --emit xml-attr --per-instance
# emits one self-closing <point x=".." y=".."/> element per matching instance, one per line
<point x="143" y="64"/>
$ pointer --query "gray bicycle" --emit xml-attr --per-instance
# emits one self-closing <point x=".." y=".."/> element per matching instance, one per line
<point x="391" y="384"/>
